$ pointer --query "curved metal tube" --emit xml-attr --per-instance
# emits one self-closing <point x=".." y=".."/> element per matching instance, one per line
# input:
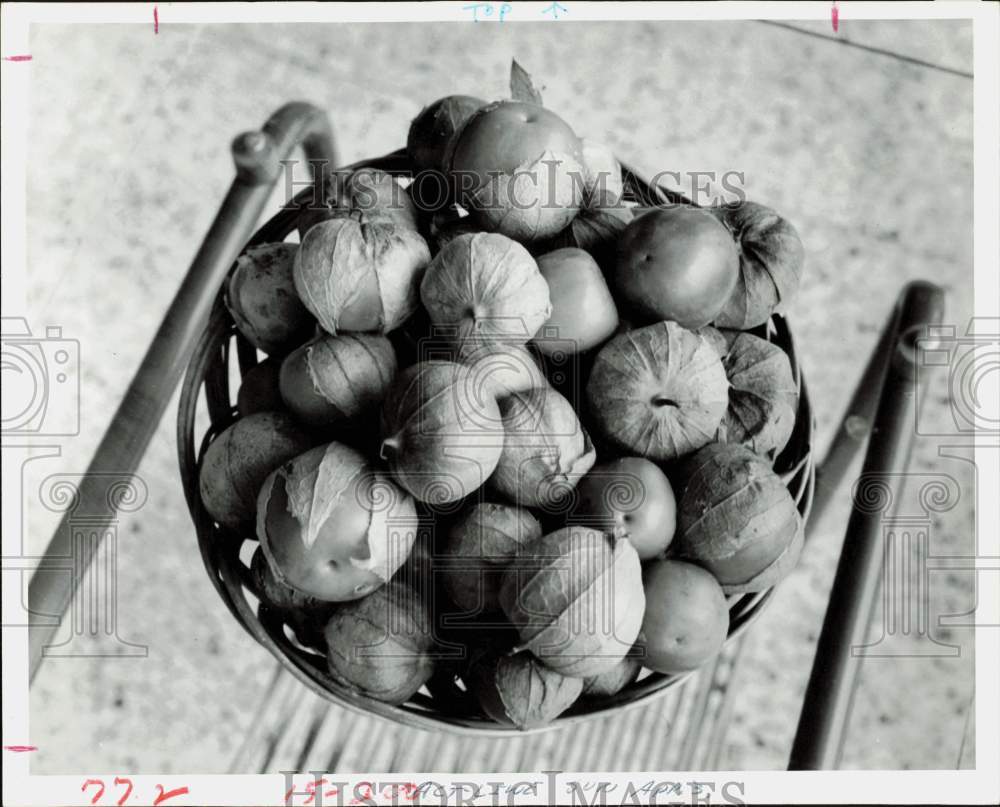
<point x="258" y="156"/>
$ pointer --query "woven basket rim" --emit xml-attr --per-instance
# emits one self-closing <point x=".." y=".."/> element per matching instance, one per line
<point x="207" y="374"/>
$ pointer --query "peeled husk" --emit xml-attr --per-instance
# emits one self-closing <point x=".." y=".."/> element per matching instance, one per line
<point x="763" y="396"/>
<point x="596" y="229"/>
<point x="486" y="285"/>
<point x="771" y="262"/>
<point x="355" y="274"/>
<point x="237" y="462"/>
<point x="519" y="690"/>
<point x="480" y="545"/>
<point x="442" y="434"/>
<point x="658" y="392"/>
<point x="576" y="598"/>
<point x="545" y="450"/>
<point x="736" y="518"/>
<point x="333" y="526"/>
<point x="615" y="678"/>
<point x="537" y="200"/>
<point x="338" y="378"/>
<point x="382" y="646"/>
<point x="263" y="301"/>
<point x="368" y="191"/>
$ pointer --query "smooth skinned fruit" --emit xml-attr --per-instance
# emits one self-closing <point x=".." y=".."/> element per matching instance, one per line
<point x="332" y="526"/>
<point x="631" y="498"/>
<point x="259" y="390"/>
<point x="432" y="130"/>
<point x="518" y="167"/>
<point x="686" y="619"/>
<point x="676" y="264"/>
<point x="238" y="461"/>
<point x="583" y="312"/>
<point x="263" y="301"/>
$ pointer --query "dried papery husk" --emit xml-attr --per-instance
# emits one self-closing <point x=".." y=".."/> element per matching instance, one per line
<point x="763" y="396"/>
<point x="545" y="450"/>
<point x="442" y="435"/>
<point x="575" y="596"/>
<point x="537" y="200"/>
<point x="382" y="646"/>
<point x="259" y="389"/>
<point x="357" y="275"/>
<point x="237" y="462"/>
<point x="488" y="286"/>
<point x="602" y="174"/>
<point x="658" y="392"/>
<point x="735" y="517"/>
<point x="519" y="690"/>
<point x="368" y="191"/>
<point x="480" y="545"/>
<point x="613" y="680"/>
<point x="338" y="378"/>
<point x="771" y="262"/>
<point x="505" y="367"/>
<point x="263" y="302"/>
<point x="596" y="229"/>
<point x="332" y="526"/>
<point x="774" y="573"/>
<point x="720" y="339"/>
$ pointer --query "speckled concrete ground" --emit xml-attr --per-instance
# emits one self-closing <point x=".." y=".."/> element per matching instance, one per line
<point x="869" y="156"/>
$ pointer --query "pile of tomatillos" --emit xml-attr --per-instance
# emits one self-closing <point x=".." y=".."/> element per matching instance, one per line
<point x="512" y="440"/>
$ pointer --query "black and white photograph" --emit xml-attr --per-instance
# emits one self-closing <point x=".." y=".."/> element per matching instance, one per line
<point x="500" y="403"/>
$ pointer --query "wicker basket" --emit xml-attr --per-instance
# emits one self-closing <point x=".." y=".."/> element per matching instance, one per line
<point x="443" y="705"/>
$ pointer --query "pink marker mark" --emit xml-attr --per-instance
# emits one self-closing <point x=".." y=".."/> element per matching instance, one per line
<point x="835" y="16"/>
<point x="156" y="20"/>
<point x="20" y="749"/>
<point x="25" y="58"/>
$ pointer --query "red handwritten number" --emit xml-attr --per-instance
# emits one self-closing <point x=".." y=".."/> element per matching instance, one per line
<point x="128" y="791"/>
<point x="100" y="791"/>
<point x="410" y="791"/>
<point x="180" y="791"/>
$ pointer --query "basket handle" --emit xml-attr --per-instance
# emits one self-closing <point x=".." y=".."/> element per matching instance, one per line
<point x="884" y="399"/>
<point x="258" y="156"/>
